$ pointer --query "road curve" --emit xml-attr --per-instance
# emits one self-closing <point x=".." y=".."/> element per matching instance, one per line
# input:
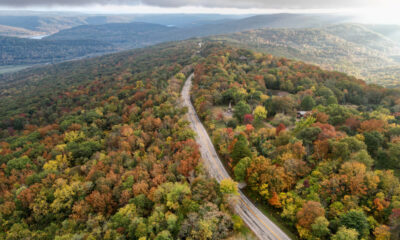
<point x="262" y="227"/>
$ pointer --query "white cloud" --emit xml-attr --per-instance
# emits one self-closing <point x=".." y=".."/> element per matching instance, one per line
<point x="241" y="4"/>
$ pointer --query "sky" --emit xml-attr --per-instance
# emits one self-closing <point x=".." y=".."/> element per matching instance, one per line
<point x="242" y="4"/>
<point x="375" y="10"/>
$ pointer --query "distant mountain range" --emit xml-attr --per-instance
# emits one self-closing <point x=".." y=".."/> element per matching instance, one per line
<point x="121" y="35"/>
<point x="19" y="51"/>
<point x="154" y="33"/>
<point x="26" y="24"/>
<point x="370" y="52"/>
<point x="98" y="35"/>
<point x="351" y="48"/>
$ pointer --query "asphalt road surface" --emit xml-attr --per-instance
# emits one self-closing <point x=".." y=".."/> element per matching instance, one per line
<point x="262" y="227"/>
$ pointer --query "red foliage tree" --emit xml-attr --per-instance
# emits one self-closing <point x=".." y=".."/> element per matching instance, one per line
<point x="281" y="127"/>
<point x="310" y="211"/>
<point x="248" y="118"/>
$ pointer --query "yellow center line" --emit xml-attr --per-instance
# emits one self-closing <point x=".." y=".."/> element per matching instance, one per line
<point x="223" y="175"/>
<point x="273" y="233"/>
<point x="245" y="204"/>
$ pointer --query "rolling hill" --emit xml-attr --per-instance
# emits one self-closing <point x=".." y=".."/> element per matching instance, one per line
<point x="390" y="31"/>
<point x="319" y="39"/>
<point x="19" y="51"/>
<point x="148" y="31"/>
<point x="122" y="35"/>
<point x="349" y="48"/>
<point x="108" y="151"/>
<point x="17" y="32"/>
<point x="100" y="149"/>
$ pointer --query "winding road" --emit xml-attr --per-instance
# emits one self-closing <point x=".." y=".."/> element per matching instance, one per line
<point x="262" y="227"/>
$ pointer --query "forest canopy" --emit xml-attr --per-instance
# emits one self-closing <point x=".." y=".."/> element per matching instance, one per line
<point x="104" y="152"/>
<point x="320" y="148"/>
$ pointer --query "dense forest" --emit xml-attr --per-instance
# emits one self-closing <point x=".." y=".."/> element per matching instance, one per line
<point x="320" y="148"/>
<point x="104" y="151"/>
<point x="17" y="51"/>
<point x="123" y="35"/>
<point x="351" y="48"/>
<point x="99" y="149"/>
<point x="82" y="35"/>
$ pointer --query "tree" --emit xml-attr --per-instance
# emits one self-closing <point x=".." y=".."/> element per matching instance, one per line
<point x="331" y="100"/>
<point x="309" y="135"/>
<point x="374" y="141"/>
<point x="18" y="231"/>
<point x="357" y="220"/>
<point x="362" y="157"/>
<point x="320" y="227"/>
<point x="241" y="109"/>
<point x="180" y="76"/>
<point x="240" y="169"/>
<point x="309" y="213"/>
<point x="345" y="234"/>
<point x="228" y="186"/>
<point x="307" y="103"/>
<point x="187" y="155"/>
<point x="172" y="194"/>
<point x="382" y="232"/>
<point x="260" y="113"/>
<point x="164" y="235"/>
<point x="19" y="163"/>
<point x="390" y="158"/>
<point x="248" y="118"/>
<point x="372" y="125"/>
<point x="281" y="127"/>
<point x="240" y="149"/>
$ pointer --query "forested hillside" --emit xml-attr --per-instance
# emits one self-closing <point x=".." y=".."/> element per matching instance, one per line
<point x="139" y="34"/>
<point x="123" y="35"/>
<point x="350" y="48"/>
<point x="16" y="32"/>
<point x="99" y="149"/>
<point x="320" y="149"/>
<point x="390" y="31"/>
<point x="19" y="51"/>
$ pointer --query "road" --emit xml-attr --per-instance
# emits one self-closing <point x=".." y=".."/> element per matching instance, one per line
<point x="262" y="227"/>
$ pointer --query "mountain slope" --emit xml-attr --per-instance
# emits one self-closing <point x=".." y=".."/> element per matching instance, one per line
<point x="30" y="51"/>
<point x="390" y="31"/>
<point x="99" y="149"/>
<point x="348" y="48"/>
<point x="315" y="147"/>
<point x="155" y="32"/>
<point x="123" y="35"/>
<point x="360" y="34"/>
<point x="16" y="32"/>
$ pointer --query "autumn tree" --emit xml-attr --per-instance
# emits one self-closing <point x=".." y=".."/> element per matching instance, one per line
<point x="309" y="213"/>
<point x="307" y="103"/>
<point x="260" y="113"/>
<point x="228" y="186"/>
<point x="345" y="234"/>
<point x="240" y="149"/>
<point x="355" y="220"/>
<point x="240" y="110"/>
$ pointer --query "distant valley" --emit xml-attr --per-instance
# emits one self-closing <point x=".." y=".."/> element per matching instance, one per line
<point x="349" y="48"/>
<point x="370" y="52"/>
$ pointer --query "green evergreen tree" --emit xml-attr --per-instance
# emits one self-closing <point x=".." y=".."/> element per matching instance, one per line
<point x="307" y="103"/>
<point x="240" y="149"/>
<point x="356" y="220"/>
<point x="241" y="109"/>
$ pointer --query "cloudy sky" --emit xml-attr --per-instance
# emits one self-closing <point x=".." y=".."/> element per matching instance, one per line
<point x="241" y="4"/>
<point x="386" y="10"/>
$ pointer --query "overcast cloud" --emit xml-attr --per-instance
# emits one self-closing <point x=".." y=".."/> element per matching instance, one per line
<point x="296" y="4"/>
